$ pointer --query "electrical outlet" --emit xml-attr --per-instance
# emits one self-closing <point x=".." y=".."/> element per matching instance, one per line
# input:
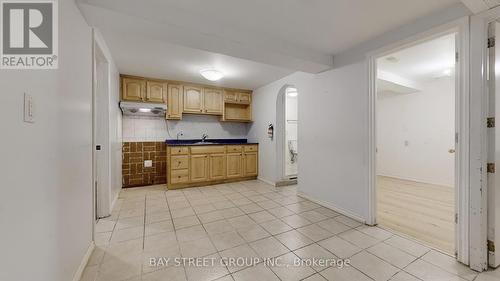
<point x="148" y="163"/>
<point x="29" y="110"/>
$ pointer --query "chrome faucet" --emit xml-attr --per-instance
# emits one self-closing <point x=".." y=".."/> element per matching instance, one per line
<point x="204" y="137"/>
<point x="179" y="134"/>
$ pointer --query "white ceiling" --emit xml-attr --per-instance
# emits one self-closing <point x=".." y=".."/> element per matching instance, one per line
<point x="422" y="62"/>
<point x="171" y="38"/>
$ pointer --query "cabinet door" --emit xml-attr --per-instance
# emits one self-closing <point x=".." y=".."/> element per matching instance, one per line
<point x="174" y="101"/>
<point x="155" y="91"/>
<point x="212" y="101"/>
<point x="234" y="165"/>
<point x="250" y="161"/>
<point x="199" y="168"/>
<point x="245" y="98"/>
<point x="133" y="89"/>
<point x="193" y="100"/>
<point x="217" y="166"/>
<point x="230" y="96"/>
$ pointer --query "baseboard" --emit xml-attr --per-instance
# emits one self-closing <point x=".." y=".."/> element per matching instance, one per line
<point x="114" y="201"/>
<point x="286" y="182"/>
<point x="267" y="181"/>
<point x="414" y="180"/>
<point x="83" y="264"/>
<point x="330" y="206"/>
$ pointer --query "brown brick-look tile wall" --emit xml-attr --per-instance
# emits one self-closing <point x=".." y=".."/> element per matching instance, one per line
<point x="134" y="154"/>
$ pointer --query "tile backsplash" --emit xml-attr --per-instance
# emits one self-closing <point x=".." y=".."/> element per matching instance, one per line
<point x="139" y="129"/>
<point x="134" y="154"/>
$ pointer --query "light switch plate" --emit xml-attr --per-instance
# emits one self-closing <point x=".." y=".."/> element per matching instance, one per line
<point x="29" y="110"/>
<point x="148" y="163"/>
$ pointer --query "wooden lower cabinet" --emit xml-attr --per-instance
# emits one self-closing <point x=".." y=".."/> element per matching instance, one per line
<point x="211" y="164"/>
<point x="199" y="168"/>
<point x="234" y="165"/>
<point x="217" y="166"/>
<point x="250" y="164"/>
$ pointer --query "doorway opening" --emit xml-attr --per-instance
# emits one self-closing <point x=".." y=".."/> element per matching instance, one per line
<point x="287" y="135"/>
<point x="291" y="134"/>
<point x="416" y="142"/>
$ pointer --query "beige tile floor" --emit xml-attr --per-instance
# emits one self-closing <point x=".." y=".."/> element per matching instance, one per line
<point x="253" y="219"/>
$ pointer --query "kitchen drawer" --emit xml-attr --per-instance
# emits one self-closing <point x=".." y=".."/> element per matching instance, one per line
<point x="234" y="148"/>
<point x="179" y="150"/>
<point x="179" y="162"/>
<point x="208" y="149"/>
<point x="179" y="176"/>
<point x="249" y="148"/>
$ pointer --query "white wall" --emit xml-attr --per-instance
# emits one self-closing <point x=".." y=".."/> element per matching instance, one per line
<point x="333" y="134"/>
<point x="192" y="126"/>
<point x="46" y="167"/>
<point x="264" y="101"/>
<point x="415" y="132"/>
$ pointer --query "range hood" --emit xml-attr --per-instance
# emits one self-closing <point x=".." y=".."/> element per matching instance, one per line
<point x="143" y="109"/>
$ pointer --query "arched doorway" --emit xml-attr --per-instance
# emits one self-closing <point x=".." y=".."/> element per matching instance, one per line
<point x="287" y="134"/>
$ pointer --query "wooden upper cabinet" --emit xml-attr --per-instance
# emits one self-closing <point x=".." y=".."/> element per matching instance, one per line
<point x="237" y="97"/>
<point x="230" y="96"/>
<point x="174" y="101"/>
<point x="155" y="91"/>
<point x="212" y="101"/>
<point x="250" y="162"/>
<point x="133" y="89"/>
<point x="217" y="166"/>
<point x="199" y="168"/>
<point x="245" y="98"/>
<point x="193" y="99"/>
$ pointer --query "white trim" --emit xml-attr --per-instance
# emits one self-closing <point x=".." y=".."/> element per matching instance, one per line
<point x="83" y="263"/>
<point x="339" y="210"/>
<point x="461" y="27"/>
<point x="267" y="181"/>
<point x="413" y="180"/>
<point x="478" y="137"/>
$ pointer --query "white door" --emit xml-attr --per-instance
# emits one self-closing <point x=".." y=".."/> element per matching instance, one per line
<point x="101" y="135"/>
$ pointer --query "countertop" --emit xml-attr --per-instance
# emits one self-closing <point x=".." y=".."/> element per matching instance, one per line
<point x="192" y="142"/>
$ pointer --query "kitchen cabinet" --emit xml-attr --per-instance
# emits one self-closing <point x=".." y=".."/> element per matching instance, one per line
<point x="199" y="168"/>
<point x="199" y="165"/>
<point x="217" y="166"/>
<point x="250" y="163"/>
<point x="193" y="99"/>
<point x="133" y="89"/>
<point x="237" y="97"/>
<point x="234" y="165"/>
<point x="174" y="101"/>
<point x="156" y="91"/>
<point x="232" y="105"/>
<point x="212" y="101"/>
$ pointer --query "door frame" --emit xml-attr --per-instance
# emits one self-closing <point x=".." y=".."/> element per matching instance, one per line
<point x="100" y="193"/>
<point x="479" y="24"/>
<point x="461" y="27"/>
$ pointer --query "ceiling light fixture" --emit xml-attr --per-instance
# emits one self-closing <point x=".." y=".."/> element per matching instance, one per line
<point x="212" y="74"/>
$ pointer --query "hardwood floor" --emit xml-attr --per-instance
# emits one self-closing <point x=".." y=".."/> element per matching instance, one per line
<point x="419" y="210"/>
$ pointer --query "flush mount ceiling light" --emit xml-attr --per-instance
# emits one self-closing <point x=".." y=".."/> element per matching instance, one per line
<point x="211" y="74"/>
